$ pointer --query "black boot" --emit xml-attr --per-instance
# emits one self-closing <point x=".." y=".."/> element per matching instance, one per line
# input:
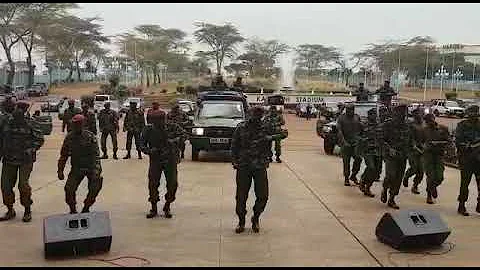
<point x="105" y="156"/>
<point x="367" y="192"/>
<point x="115" y="155"/>
<point x="166" y="210"/>
<point x="73" y="209"/>
<point x="384" y="196"/>
<point x="140" y="155"/>
<point x="462" y="210"/>
<point x="278" y="159"/>
<point x="405" y="181"/>
<point x="429" y="198"/>
<point x="9" y="215"/>
<point x="354" y="179"/>
<point x="434" y="192"/>
<point x="415" y="189"/>
<point x="241" y="225"/>
<point x="255" y="224"/>
<point x="347" y="182"/>
<point x="27" y="215"/>
<point x="127" y="156"/>
<point x="391" y="203"/>
<point x="86" y="209"/>
<point x="153" y="212"/>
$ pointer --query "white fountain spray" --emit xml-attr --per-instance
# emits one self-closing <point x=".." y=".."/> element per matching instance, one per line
<point x="287" y="70"/>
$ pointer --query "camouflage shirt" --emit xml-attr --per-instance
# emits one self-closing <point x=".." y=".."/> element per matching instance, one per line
<point x="68" y="114"/>
<point x="418" y="136"/>
<point x="397" y="137"/>
<point x="134" y="121"/>
<point x="436" y="133"/>
<point x="108" y="120"/>
<point x="467" y="132"/>
<point x="250" y="146"/>
<point x="162" y="144"/>
<point x="274" y="122"/>
<point x="20" y="141"/>
<point x="83" y="152"/>
<point x="90" y="121"/>
<point x="349" y="128"/>
<point x="178" y="117"/>
<point x="371" y="137"/>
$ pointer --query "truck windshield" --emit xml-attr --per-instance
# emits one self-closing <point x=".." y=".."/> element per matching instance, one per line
<point x="230" y="110"/>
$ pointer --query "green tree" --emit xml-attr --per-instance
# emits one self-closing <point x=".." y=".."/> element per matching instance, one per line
<point x="316" y="56"/>
<point x="221" y="40"/>
<point x="261" y="56"/>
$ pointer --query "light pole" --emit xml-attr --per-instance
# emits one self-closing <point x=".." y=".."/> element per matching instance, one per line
<point x="453" y="67"/>
<point x="426" y="75"/>
<point x="441" y="72"/>
<point x="473" y="75"/>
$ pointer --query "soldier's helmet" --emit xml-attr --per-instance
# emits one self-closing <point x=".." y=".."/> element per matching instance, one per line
<point x="472" y="111"/>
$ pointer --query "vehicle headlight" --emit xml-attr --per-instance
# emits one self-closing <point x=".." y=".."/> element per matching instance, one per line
<point x="326" y="129"/>
<point x="197" y="131"/>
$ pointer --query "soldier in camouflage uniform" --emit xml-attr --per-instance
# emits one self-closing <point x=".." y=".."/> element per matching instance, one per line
<point x="386" y="94"/>
<point x="349" y="128"/>
<point x="155" y="107"/>
<point x="361" y="93"/>
<point x="384" y="115"/>
<point x="415" y="156"/>
<point x="82" y="148"/>
<point x="8" y="105"/>
<point x="68" y="115"/>
<point x="251" y="144"/>
<point x="371" y="152"/>
<point x="179" y="117"/>
<point x="160" y="141"/>
<point x="19" y="141"/>
<point x="90" y="119"/>
<point x="398" y="141"/>
<point x="467" y="140"/>
<point x="134" y="124"/>
<point x="274" y="121"/>
<point x="436" y="139"/>
<point x="108" y="123"/>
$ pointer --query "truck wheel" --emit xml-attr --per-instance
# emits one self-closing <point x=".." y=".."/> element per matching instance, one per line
<point x="328" y="146"/>
<point x="195" y="154"/>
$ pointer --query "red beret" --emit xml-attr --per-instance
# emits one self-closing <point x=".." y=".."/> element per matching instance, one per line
<point x="78" y="118"/>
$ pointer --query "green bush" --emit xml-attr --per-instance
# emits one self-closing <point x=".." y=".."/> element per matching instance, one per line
<point x="450" y="95"/>
<point x="114" y="81"/>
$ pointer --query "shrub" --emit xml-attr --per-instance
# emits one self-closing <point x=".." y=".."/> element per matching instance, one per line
<point x="450" y="95"/>
<point x="114" y="81"/>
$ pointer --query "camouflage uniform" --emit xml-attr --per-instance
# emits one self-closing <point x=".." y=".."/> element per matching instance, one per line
<point x="134" y="124"/>
<point x="386" y="93"/>
<point x="82" y="148"/>
<point x="384" y="116"/>
<point x="20" y="141"/>
<point x="177" y="116"/>
<point x="274" y="121"/>
<point x="68" y="115"/>
<point x="108" y="123"/>
<point x="371" y="152"/>
<point x="362" y="93"/>
<point x="436" y="139"/>
<point x="398" y="141"/>
<point x="467" y="135"/>
<point x="90" y="120"/>
<point x="160" y="142"/>
<point x="349" y="128"/>
<point x="251" y="157"/>
<point x="415" y="156"/>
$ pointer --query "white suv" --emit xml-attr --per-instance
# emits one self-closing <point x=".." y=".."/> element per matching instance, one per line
<point x="447" y="107"/>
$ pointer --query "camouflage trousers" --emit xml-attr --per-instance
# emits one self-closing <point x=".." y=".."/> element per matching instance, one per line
<point x="349" y="152"/>
<point x="278" y="147"/>
<point x="10" y="174"/>
<point x="468" y="168"/>
<point x="244" y="181"/>
<point x="434" y="168"/>
<point x="372" y="171"/>
<point x="155" y="174"/>
<point x="394" y="171"/>
<point x="130" y="136"/>
<point x="103" y="140"/>
<point x="75" y="177"/>
<point x="415" y="168"/>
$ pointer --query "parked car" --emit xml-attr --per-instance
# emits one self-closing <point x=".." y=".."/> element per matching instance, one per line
<point x="412" y="106"/>
<point x="37" y="90"/>
<point x="52" y="104"/>
<point x="126" y="104"/>
<point x="19" y="92"/>
<point x="447" y="108"/>
<point x="301" y="110"/>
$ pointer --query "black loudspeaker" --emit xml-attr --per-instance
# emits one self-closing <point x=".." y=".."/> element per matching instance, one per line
<point x="77" y="234"/>
<point x="412" y="229"/>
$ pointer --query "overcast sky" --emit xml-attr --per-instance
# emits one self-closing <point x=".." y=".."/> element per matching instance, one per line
<point x="347" y="26"/>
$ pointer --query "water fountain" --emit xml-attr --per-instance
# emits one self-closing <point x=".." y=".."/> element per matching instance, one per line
<point x="287" y="70"/>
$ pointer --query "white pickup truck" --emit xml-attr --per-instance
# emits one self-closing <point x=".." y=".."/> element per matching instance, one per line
<point x="100" y="101"/>
<point x="447" y="108"/>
